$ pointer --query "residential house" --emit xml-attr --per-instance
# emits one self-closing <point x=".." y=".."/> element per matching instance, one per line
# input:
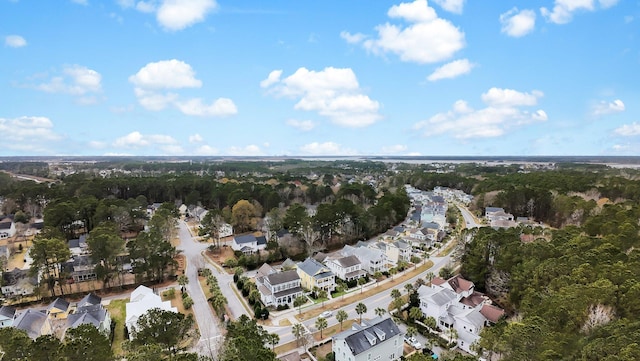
<point x="378" y="339"/>
<point x="225" y="230"/>
<point x="346" y="268"/>
<point x="249" y="243"/>
<point x="372" y="260"/>
<point x="81" y="268"/>
<point x="7" y="228"/>
<point x="278" y="288"/>
<point x="314" y="274"/>
<point x="18" y="283"/>
<point x="152" y="208"/>
<point x="91" y="312"/>
<point x="34" y="323"/>
<point x="454" y="303"/>
<point x="143" y="299"/>
<point x="498" y="218"/>
<point x="4" y="255"/>
<point x="79" y="246"/>
<point x="183" y="209"/>
<point x="58" y="309"/>
<point x="7" y="316"/>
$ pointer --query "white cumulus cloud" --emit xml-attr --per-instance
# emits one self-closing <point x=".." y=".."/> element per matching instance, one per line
<point x="219" y="108"/>
<point x="179" y="14"/>
<point x="247" y="151"/>
<point x="153" y="81"/>
<point x="517" y="23"/>
<point x="510" y="97"/>
<point x="451" y="70"/>
<point x="174" y="15"/>
<point x="453" y="6"/>
<point x="76" y="80"/>
<point x="166" y="74"/>
<point x="604" y="108"/>
<point x="196" y="138"/>
<point x="206" y="150"/>
<point x="273" y="78"/>
<point x="15" y="41"/>
<point x="29" y="134"/>
<point x="138" y="140"/>
<point x="504" y="111"/>
<point x="326" y="148"/>
<point x="302" y="125"/>
<point x="628" y="130"/>
<point x="563" y="10"/>
<point x="333" y="93"/>
<point x="352" y="38"/>
<point x="425" y="39"/>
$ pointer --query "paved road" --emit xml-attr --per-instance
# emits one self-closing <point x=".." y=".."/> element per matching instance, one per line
<point x="468" y="218"/>
<point x="378" y="300"/>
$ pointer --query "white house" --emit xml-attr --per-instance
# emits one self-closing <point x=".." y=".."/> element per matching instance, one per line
<point x="7" y="228"/>
<point x="346" y="268"/>
<point x="248" y="243"/>
<point x="225" y="230"/>
<point x="278" y="288"/>
<point x="142" y="300"/>
<point x="378" y="339"/>
<point x="454" y="303"/>
<point x="372" y="260"/>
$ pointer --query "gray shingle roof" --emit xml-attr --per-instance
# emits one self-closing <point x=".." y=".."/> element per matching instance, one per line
<point x="7" y="311"/>
<point x="60" y="304"/>
<point x="245" y="238"/>
<point x="348" y="261"/>
<point x="310" y="266"/>
<point x="90" y="300"/>
<point x="282" y="277"/>
<point x="369" y="335"/>
<point x="31" y="321"/>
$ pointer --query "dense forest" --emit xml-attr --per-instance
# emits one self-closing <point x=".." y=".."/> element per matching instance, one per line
<point x="570" y="280"/>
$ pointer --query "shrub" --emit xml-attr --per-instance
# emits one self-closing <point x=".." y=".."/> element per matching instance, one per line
<point x="170" y="294"/>
<point x="282" y="307"/>
<point x="187" y="302"/>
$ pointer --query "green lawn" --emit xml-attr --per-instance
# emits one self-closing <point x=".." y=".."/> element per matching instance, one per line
<point x="117" y="310"/>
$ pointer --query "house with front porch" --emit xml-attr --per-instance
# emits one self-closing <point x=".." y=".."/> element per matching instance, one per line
<point x="372" y="260"/>
<point x="249" y="243"/>
<point x="314" y="274"/>
<point x="346" y="268"/>
<point x="278" y="288"/>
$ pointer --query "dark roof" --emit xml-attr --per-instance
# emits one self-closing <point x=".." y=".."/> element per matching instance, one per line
<point x="90" y="300"/>
<point x="60" y="304"/>
<point x="282" y="277"/>
<point x="12" y="277"/>
<point x="281" y="233"/>
<point x="7" y="311"/>
<point x="5" y="225"/>
<point x="399" y="229"/>
<point x="375" y="331"/>
<point x="261" y="240"/>
<point x="74" y="243"/>
<point x="290" y="291"/>
<point x="493" y="209"/>
<point x="245" y="238"/>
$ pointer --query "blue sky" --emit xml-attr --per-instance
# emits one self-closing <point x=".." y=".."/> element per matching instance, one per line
<point x="216" y="77"/>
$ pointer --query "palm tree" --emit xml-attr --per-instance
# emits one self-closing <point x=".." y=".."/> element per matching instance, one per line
<point x="415" y="313"/>
<point x="321" y="324"/>
<point x="452" y="334"/>
<point x="377" y="275"/>
<point x="361" y="282"/>
<point x="299" y="332"/>
<point x="298" y="302"/>
<point x="322" y="294"/>
<point x="408" y="287"/>
<point x="411" y="331"/>
<point x="419" y="282"/>
<point x="429" y="277"/>
<point x="183" y="281"/>
<point x="341" y="316"/>
<point x="361" y="308"/>
<point x="392" y="272"/>
<point x="273" y="340"/>
<point x="380" y="311"/>
<point x="395" y="293"/>
<point x="430" y="322"/>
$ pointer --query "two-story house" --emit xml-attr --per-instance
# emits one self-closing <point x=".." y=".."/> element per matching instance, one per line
<point x="18" y="283"/>
<point x="372" y="260"/>
<point x="346" y="268"/>
<point x="314" y="274"/>
<point x="454" y="303"/>
<point x="249" y="243"/>
<point x="91" y="312"/>
<point x="34" y="323"/>
<point x="7" y="228"/>
<point x="278" y="288"/>
<point x="378" y="339"/>
<point x="143" y="299"/>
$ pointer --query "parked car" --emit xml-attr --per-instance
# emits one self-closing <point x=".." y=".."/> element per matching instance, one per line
<point x="326" y="314"/>
<point x="413" y="342"/>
